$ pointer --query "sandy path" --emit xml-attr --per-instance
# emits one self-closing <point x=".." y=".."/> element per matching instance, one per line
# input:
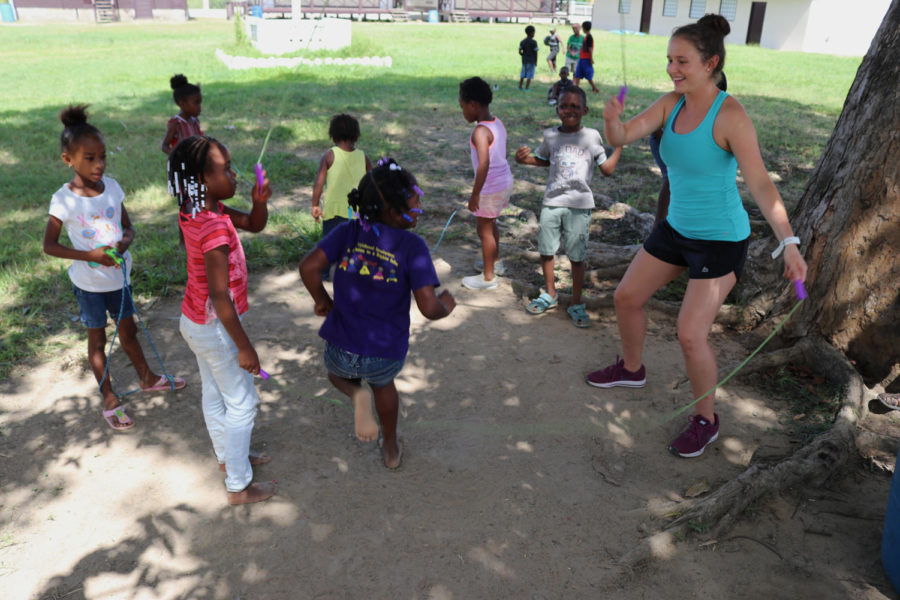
<point x="519" y="481"/>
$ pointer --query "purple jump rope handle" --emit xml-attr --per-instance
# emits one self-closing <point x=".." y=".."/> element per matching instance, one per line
<point x="801" y="291"/>
<point x="622" y="91"/>
<point x="263" y="374"/>
<point x="259" y="174"/>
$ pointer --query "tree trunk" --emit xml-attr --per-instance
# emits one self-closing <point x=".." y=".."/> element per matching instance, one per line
<point x="849" y="221"/>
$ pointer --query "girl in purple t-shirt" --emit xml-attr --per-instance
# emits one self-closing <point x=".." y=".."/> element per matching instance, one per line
<point x="366" y="329"/>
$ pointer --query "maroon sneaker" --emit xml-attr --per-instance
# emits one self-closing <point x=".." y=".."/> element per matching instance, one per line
<point x="616" y="375"/>
<point x="696" y="437"/>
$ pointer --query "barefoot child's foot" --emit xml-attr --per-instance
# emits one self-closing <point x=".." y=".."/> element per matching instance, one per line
<point x="364" y="420"/>
<point x="391" y="454"/>
<point x="255" y="492"/>
<point x="256" y="459"/>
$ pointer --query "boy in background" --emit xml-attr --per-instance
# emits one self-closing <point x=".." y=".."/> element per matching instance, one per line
<point x="528" y="50"/>
<point x="557" y="89"/>
<point x="585" y="68"/>
<point x="573" y="47"/>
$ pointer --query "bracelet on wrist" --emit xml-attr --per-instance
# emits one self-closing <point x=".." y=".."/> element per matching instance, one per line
<point x="791" y="240"/>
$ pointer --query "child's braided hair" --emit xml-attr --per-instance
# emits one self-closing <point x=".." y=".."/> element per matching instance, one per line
<point x="386" y="185"/>
<point x="185" y="168"/>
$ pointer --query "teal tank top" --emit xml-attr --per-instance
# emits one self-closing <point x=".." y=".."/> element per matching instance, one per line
<point x="705" y="203"/>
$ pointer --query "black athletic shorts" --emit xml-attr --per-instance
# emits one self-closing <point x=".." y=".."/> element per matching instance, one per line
<point x="705" y="259"/>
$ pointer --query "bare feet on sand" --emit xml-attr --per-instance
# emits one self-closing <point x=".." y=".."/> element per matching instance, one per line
<point x="256" y="459"/>
<point x="366" y="427"/>
<point x="255" y="492"/>
<point x="391" y="454"/>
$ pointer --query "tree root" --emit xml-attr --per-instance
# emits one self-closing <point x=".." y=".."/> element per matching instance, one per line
<point x="811" y="465"/>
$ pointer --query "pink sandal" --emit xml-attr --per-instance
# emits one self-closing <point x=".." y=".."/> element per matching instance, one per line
<point x="117" y="419"/>
<point x="163" y="384"/>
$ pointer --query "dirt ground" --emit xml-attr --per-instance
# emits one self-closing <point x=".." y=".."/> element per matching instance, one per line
<point x="518" y="480"/>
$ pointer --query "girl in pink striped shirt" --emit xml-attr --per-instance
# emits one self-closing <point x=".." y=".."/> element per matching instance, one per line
<point x="200" y="177"/>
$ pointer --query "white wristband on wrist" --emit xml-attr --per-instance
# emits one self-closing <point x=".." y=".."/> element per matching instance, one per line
<point x="785" y="242"/>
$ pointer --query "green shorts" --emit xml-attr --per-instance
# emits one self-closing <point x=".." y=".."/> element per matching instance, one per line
<point x="575" y="223"/>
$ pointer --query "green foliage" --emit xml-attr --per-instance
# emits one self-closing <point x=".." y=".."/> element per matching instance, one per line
<point x="240" y="32"/>
<point x="699" y="526"/>
<point x="409" y="111"/>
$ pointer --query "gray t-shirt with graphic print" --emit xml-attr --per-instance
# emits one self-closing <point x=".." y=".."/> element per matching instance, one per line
<point x="572" y="157"/>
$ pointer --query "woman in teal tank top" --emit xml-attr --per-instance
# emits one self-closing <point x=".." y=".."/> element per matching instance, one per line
<point x="707" y="136"/>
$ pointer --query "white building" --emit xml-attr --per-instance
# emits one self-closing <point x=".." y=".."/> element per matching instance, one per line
<point x="823" y="26"/>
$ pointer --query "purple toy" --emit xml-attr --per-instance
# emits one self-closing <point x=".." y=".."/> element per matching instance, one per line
<point x="263" y="374"/>
<point x="801" y="291"/>
<point x="259" y="174"/>
<point x="622" y="92"/>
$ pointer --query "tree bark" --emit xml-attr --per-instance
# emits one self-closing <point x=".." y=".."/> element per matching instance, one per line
<point x="849" y="221"/>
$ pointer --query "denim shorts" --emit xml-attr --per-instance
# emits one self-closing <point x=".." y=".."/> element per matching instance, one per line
<point x="705" y="259"/>
<point x="527" y="71"/>
<point x="93" y="306"/>
<point x="575" y="223"/>
<point x="378" y="372"/>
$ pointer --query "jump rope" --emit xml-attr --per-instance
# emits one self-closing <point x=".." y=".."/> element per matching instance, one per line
<point x="126" y="291"/>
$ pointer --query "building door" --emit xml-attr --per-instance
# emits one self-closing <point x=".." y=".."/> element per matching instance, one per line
<point x="757" y="16"/>
<point x="646" y="10"/>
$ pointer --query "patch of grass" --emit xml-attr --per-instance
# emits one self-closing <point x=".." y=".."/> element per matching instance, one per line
<point x="699" y="526"/>
<point x="409" y="111"/>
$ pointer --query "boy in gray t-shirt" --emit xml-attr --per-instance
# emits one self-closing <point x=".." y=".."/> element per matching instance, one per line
<point x="570" y="151"/>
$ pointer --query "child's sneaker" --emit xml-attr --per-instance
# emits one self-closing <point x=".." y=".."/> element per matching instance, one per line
<point x="695" y="438"/>
<point x="616" y="375"/>
<point x="499" y="267"/>
<point x="478" y="282"/>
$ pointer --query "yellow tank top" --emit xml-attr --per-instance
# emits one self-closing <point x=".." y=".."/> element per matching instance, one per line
<point x="343" y="175"/>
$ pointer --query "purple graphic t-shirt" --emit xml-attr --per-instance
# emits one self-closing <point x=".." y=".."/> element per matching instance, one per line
<point x="373" y="280"/>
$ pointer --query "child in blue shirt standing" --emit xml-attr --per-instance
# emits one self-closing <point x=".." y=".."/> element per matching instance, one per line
<point x="570" y="151"/>
<point x="528" y="50"/>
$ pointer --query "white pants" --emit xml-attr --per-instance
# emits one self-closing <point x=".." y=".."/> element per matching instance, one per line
<point x="229" y="397"/>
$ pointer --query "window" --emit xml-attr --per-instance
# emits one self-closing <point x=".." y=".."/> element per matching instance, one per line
<point x="698" y="9"/>
<point x="670" y="8"/>
<point x="624" y="7"/>
<point x="728" y="9"/>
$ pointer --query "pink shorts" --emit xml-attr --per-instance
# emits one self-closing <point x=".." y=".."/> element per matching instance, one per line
<point x="491" y="205"/>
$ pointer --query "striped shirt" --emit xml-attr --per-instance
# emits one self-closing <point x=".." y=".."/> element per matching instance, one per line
<point x="184" y="128"/>
<point x="206" y="232"/>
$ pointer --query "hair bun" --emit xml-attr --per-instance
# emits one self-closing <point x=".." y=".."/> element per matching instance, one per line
<point x="178" y="81"/>
<point x="74" y="115"/>
<point x="715" y="22"/>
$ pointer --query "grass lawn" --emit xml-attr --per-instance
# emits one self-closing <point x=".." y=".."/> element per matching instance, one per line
<point x="408" y="111"/>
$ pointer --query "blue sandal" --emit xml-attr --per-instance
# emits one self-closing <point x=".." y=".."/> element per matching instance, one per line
<point x="542" y="304"/>
<point x="579" y="316"/>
